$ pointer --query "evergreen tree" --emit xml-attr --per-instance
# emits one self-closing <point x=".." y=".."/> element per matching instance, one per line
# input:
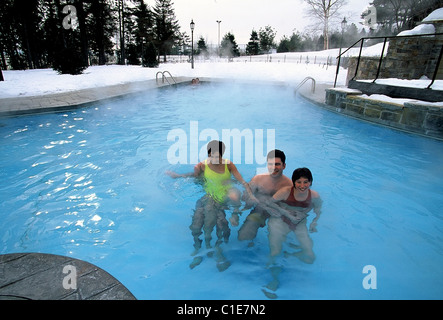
<point x="52" y="29"/>
<point x="252" y="48"/>
<point x="293" y="44"/>
<point x="66" y="53"/>
<point x="150" y="55"/>
<point x="144" y="31"/>
<point x="121" y="14"/>
<point x="21" y="33"/>
<point x="166" y="26"/>
<point x="101" y="27"/>
<point x="81" y="15"/>
<point x="9" y="37"/>
<point x="229" y="47"/>
<point x="133" y="54"/>
<point x="266" y="36"/>
<point x="184" y="43"/>
<point x="68" y="58"/>
<point x="202" y="48"/>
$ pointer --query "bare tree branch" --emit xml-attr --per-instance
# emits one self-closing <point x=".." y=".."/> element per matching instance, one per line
<point x="323" y="11"/>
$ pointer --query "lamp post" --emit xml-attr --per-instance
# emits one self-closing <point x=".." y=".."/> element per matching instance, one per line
<point x="218" y="49"/>
<point x="343" y="27"/>
<point x="192" y="43"/>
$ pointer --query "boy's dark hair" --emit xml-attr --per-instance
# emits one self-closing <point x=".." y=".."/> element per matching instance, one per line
<point x="216" y="146"/>
<point x="302" y="172"/>
<point x="277" y="154"/>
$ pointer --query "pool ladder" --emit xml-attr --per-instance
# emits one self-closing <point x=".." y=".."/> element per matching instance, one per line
<point x="304" y="81"/>
<point x="164" y="77"/>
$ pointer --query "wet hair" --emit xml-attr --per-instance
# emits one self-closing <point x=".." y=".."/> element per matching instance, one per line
<point x="302" y="172"/>
<point x="277" y="154"/>
<point x="216" y="146"/>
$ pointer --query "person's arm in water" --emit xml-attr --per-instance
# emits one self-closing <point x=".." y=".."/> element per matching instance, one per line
<point x="198" y="169"/>
<point x="274" y="209"/>
<point x="234" y="171"/>
<point x="317" y="203"/>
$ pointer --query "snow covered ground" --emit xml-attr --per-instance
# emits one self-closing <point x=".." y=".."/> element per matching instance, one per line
<point x="47" y="81"/>
<point x="284" y="67"/>
<point x="291" y="68"/>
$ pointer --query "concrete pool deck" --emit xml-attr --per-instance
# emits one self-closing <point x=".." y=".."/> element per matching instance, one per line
<point x="37" y="276"/>
<point x="72" y="99"/>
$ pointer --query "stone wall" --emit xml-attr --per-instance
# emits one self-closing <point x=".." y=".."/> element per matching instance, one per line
<point x="412" y="58"/>
<point x="407" y="58"/>
<point x="367" y="70"/>
<point x="417" y="117"/>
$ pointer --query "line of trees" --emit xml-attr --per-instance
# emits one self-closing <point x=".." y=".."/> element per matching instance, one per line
<point x="71" y="35"/>
<point x="393" y="17"/>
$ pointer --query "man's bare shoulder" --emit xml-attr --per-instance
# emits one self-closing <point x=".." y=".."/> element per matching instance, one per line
<point x="259" y="178"/>
<point x="287" y="181"/>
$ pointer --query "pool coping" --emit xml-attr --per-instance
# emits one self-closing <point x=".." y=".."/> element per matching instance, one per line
<point x="425" y="121"/>
<point x="74" y="99"/>
<point x="40" y="276"/>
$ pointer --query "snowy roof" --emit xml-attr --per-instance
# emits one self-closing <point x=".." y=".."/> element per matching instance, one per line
<point x="436" y="15"/>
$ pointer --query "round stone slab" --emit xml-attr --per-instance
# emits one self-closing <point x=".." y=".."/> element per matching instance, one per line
<point x="38" y="276"/>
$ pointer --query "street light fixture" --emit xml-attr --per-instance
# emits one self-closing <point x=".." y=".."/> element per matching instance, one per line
<point x="192" y="43"/>
<point x="343" y="27"/>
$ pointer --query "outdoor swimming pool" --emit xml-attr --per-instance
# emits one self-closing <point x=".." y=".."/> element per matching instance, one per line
<point x="90" y="184"/>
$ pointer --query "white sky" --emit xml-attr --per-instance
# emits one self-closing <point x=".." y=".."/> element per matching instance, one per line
<point x="241" y="16"/>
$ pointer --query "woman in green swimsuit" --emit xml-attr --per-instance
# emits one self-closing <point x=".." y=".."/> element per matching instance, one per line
<point x="220" y="193"/>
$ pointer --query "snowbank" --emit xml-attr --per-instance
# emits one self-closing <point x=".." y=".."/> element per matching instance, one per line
<point x="421" y="29"/>
<point x="384" y="98"/>
<point x="419" y="84"/>
<point x="436" y="15"/>
<point x="47" y="81"/>
<point x="291" y="68"/>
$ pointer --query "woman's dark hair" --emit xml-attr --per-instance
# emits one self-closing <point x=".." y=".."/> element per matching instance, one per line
<point x="277" y="154"/>
<point x="216" y="146"/>
<point x="302" y="172"/>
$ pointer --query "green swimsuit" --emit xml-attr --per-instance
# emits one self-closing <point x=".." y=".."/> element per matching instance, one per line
<point x="217" y="184"/>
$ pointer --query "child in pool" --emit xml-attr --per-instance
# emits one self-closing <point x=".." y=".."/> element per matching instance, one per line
<point x="297" y="200"/>
<point x="290" y="214"/>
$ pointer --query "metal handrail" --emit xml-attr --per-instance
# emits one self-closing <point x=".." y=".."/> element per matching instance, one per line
<point x="385" y="39"/>
<point x="164" y="77"/>
<point x="304" y="81"/>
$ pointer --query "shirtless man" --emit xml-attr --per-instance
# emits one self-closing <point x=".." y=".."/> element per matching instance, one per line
<point x="263" y="186"/>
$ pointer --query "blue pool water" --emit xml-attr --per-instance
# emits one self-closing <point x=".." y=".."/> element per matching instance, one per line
<point x="90" y="184"/>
